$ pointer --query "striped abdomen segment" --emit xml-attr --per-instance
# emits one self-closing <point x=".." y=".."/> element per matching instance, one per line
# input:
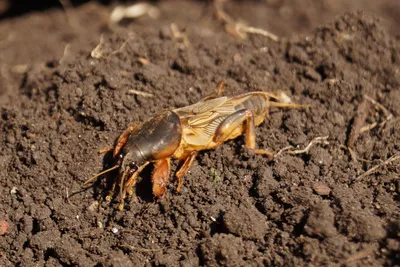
<point x="257" y="103"/>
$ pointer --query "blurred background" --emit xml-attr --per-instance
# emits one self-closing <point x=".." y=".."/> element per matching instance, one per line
<point x="283" y="16"/>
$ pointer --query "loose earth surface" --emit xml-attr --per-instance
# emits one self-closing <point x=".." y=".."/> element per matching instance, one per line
<point x="60" y="105"/>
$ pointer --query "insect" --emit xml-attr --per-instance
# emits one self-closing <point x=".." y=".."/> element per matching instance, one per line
<point x="181" y="133"/>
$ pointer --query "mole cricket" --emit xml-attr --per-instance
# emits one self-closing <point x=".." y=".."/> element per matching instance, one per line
<point x="181" y="133"/>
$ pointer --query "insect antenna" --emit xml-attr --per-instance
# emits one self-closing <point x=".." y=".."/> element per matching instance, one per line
<point x="99" y="174"/>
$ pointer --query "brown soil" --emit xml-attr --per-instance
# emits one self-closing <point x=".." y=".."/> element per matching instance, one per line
<point x="59" y="106"/>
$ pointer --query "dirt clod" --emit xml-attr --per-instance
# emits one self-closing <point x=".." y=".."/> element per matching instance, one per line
<point x="320" y="221"/>
<point x="246" y="222"/>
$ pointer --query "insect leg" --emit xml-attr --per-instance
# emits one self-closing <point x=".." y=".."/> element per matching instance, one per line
<point x="184" y="169"/>
<point x="127" y="187"/>
<point x="220" y="87"/>
<point x="130" y="183"/>
<point x="160" y="176"/>
<point x="105" y="150"/>
<point x="123" y="138"/>
<point x="243" y="120"/>
<point x="111" y="193"/>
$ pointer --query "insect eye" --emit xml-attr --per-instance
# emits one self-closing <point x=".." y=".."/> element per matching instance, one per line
<point x="133" y="167"/>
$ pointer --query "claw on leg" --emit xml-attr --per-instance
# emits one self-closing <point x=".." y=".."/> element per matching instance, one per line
<point x="250" y="139"/>
<point x="184" y="169"/>
<point x="126" y="185"/>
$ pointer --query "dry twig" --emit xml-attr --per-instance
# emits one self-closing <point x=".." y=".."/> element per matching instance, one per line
<point x="360" y="255"/>
<point x="97" y="52"/>
<point x="361" y="116"/>
<point x="388" y="114"/>
<point x="280" y="152"/>
<point x="135" y="92"/>
<point x="316" y="140"/>
<point x="178" y="35"/>
<point x="238" y="28"/>
<point x="123" y="45"/>
<point x="375" y="168"/>
<point x="67" y="51"/>
<point x="67" y="195"/>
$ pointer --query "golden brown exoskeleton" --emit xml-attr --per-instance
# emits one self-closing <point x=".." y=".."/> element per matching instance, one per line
<point x="181" y="133"/>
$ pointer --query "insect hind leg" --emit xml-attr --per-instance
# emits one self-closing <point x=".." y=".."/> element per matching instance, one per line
<point x="236" y="124"/>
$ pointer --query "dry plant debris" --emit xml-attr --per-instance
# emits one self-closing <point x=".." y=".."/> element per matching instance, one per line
<point x="377" y="167"/>
<point x="239" y="28"/>
<point x="316" y="140"/>
<point x="179" y="35"/>
<point x="361" y="115"/>
<point x="388" y="114"/>
<point x="360" y="255"/>
<point x="136" y="92"/>
<point x="97" y="52"/>
<point x="123" y="45"/>
<point x="134" y="11"/>
<point x="67" y="50"/>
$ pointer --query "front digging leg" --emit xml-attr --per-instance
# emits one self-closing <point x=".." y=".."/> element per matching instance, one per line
<point x="160" y="177"/>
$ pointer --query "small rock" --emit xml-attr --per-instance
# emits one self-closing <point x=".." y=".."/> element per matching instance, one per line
<point x="3" y="227"/>
<point x="321" y="189"/>
<point x="78" y="92"/>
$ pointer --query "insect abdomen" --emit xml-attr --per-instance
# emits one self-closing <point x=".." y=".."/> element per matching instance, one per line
<point x="257" y="104"/>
